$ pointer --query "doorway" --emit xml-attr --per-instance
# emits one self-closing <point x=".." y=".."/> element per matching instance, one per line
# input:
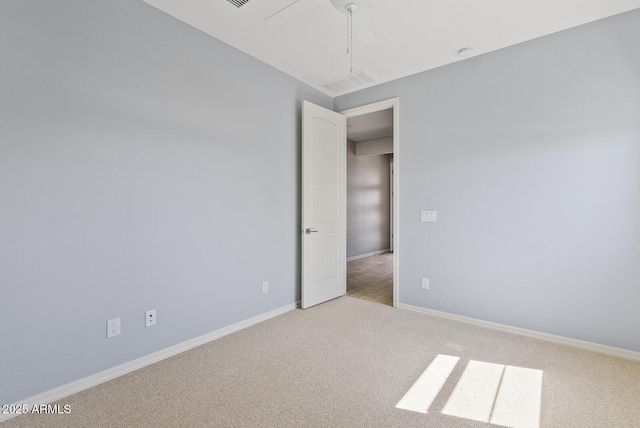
<point x="324" y="198"/>
<point x="372" y="247"/>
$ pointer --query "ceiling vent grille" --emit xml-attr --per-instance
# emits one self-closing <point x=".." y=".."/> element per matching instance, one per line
<point x="238" y="3"/>
<point x="348" y="83"/>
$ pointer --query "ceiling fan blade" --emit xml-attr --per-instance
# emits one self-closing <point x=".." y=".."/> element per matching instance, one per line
<point x="364" y="32"/>
<point x="291" y="10"/>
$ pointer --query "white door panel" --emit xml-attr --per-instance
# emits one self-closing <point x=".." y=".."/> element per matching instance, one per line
<point x="323" y="204"/>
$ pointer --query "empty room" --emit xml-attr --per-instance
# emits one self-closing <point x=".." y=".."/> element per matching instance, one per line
<point x="190" y="191"/>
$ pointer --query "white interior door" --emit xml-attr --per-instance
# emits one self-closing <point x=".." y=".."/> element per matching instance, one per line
<point x="324" y="195"/>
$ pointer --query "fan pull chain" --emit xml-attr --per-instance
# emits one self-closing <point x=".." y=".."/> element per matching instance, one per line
<point x="350" y="37"/>
<point x="348" y="30"/>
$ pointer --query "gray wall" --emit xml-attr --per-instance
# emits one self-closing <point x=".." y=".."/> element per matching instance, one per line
<point x="375" y="147"/>
<point x="531" y="155"/>
<point x="143" y="164"/>
<point x="367" y="202"/>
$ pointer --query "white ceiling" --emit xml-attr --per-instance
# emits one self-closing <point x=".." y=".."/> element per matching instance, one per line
<point x="308" y="39"/>
<point x="370" y="126"/>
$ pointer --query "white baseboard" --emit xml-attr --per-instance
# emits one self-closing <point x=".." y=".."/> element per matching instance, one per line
<point x="575" y="343"/>
<point x="362" y="256"/>
<point x="112" y="373"/>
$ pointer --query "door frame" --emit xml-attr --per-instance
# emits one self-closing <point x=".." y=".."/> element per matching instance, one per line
<point x="393" y="103"/>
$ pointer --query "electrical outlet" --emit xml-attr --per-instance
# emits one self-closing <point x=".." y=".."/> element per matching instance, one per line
<point x="113" y="328"/>
<point x="425" y="283"/>
<point x="265" y="286"/>
<point x="150" y="318"/>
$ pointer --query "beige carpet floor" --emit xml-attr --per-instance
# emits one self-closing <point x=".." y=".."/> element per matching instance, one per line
<point x="346" y="363"/>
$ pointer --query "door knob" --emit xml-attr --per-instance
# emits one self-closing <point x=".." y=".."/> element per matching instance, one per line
<point x="308" y="230"/>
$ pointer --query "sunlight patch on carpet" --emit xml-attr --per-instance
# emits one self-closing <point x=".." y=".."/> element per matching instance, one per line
<point x="519" y="399"/>
<point x="508" y="396"/>
<point x="421" y="395"/>
<point x="475" y="392"/>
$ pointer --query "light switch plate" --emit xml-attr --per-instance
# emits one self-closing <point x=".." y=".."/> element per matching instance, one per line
<point x="429" y="216"/>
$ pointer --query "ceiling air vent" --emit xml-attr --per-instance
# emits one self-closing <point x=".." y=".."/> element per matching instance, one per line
<point x="348" y="83"/>
<point x="238" y="3"/>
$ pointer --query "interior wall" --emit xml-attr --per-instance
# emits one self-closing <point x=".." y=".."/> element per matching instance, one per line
<point x="375" y="147"/>
<point x="531" y="156"/>
<point x="367" y="202"/>
<point x="143" y="165"/>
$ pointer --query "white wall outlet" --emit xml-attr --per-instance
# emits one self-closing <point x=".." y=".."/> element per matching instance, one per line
<point x="425" y="283"/>
<point x="150" y="318"/>
<point x="113" y="328"/>
<point x="265" y="286"/>
<point x="429" y="216"/>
